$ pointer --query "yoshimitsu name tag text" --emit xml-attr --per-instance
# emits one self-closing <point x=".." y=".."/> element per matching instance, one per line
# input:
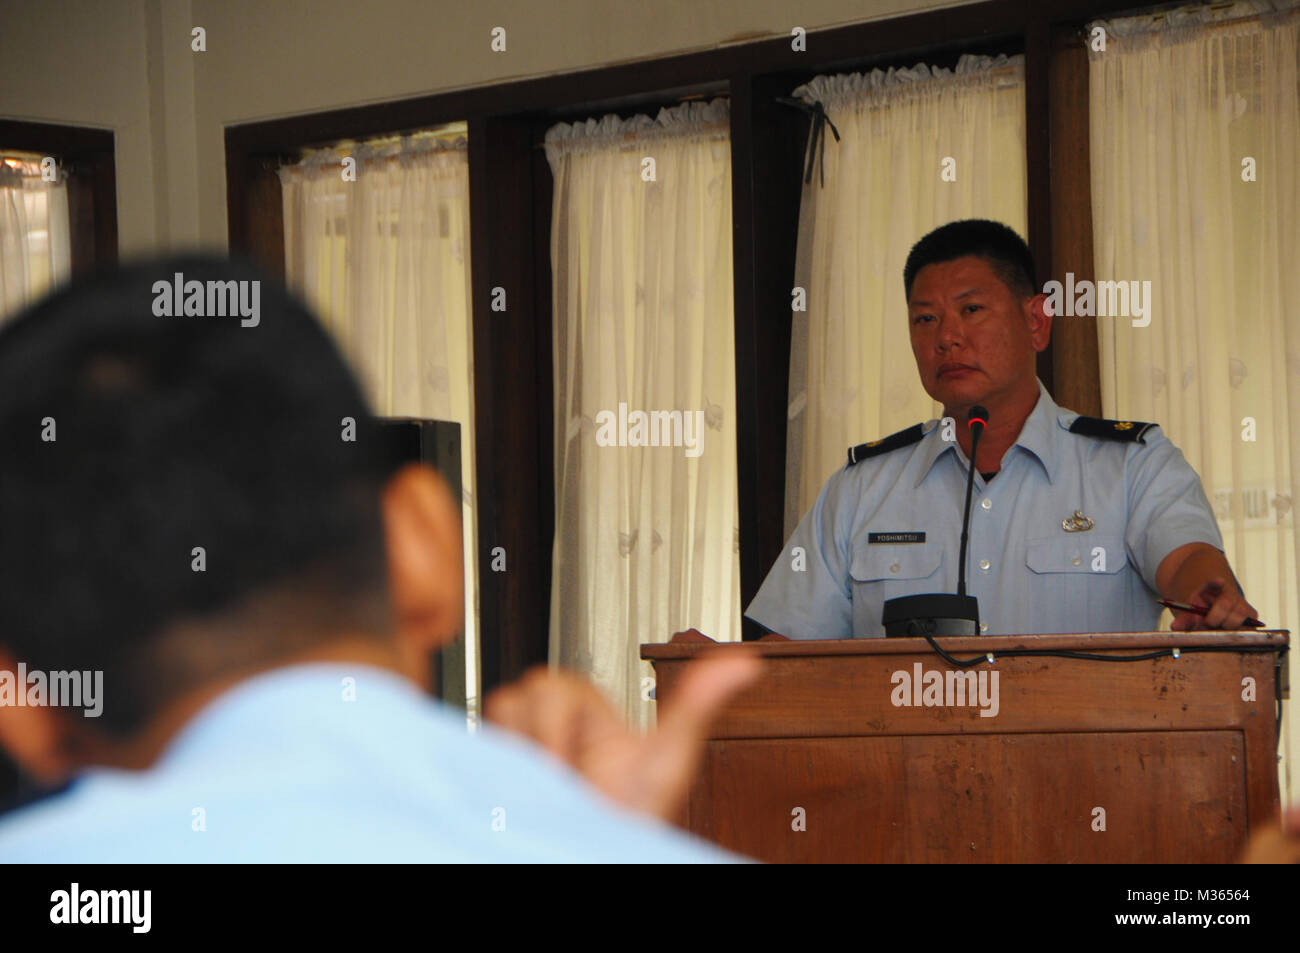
<point x="895" y="538"/>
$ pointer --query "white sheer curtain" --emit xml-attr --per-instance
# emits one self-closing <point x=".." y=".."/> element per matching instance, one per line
<point x="1179" y="104"/>
<point x="385" y="262"/>
<point x="852" y="374"/>
<point x="646" y="536"/>
<point x="35" y="246"/>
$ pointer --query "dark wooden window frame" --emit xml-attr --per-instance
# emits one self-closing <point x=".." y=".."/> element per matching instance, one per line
<point x="510" y="206"/>
<point x="87" y="156"/>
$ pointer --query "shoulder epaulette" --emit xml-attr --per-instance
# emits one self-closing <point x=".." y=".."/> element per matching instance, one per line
<point x="1127" y="430"/>
<point x="895" y="440"/>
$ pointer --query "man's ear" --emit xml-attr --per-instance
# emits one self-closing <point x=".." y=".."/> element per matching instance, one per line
<point x="33" y="736"/>
<point x="425" y="558"/>
<point x="1040" y="321"/>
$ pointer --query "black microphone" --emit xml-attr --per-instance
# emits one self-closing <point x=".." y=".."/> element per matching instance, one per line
<point x="942" y="613"/>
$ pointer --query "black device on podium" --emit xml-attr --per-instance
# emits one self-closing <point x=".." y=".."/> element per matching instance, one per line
<point x="942" y="613"/>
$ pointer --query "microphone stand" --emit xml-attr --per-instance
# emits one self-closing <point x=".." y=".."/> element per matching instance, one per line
<point x="942" y="613"/>
<point x="976" y="422"/>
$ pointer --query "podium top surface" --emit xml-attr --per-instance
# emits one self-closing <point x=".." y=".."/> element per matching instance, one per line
<point x="1246" y="640"/>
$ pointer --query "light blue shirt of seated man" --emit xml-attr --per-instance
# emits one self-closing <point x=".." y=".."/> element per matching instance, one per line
<point x="1067" y="537"/>
<point x="281" y="768"/>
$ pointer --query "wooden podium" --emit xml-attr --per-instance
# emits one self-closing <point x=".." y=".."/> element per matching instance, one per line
<point x="841" y="753"/>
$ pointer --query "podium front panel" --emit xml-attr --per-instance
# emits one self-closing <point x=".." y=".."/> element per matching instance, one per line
<point x="854" y="751"/>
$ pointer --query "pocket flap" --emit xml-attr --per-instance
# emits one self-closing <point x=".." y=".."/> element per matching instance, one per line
<point x="874" y="563"/>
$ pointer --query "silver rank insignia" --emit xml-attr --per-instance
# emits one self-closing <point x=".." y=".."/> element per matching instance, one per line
<point x="1076" y="523"/>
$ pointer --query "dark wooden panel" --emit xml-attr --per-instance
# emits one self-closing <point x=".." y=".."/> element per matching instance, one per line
<point x="265" y="222"/>
<point x="803" y="697"/>
<point x="1038" y="53"/>
<point x="515" y="506"/>
<point x="851" y="822"/>
<point x="82" y="230"/>
<point x="767" y="143"/>
<point x="1075" y="360"/>
<point x="1171" y="797"/>
<point x="532" y="644"/>
<point x="103" y="175"/>
<point x="691" y="643"/>
<point x="255" y="206"/>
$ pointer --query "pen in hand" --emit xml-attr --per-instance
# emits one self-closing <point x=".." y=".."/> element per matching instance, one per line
<point x="1201" y="610"/>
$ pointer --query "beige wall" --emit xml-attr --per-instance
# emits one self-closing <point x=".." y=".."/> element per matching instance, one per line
<point x="126" y="65"/>
<point x="82" y="63"/>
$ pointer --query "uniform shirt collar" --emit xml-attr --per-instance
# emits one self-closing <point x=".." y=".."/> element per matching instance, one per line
<point x="1040" y="436"/>
<point x="301" y="704"/>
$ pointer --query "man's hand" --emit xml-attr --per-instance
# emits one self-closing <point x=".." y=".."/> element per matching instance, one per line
<point x="1276" y="843"/>
<point x="1228" y="608"/>
<point x="1198" y="574"/>
<point x="652" y="773"/>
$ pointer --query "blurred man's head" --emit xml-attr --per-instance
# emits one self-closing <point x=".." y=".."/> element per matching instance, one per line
<point x="976" y="320"/>
<point x="186" y="500"/>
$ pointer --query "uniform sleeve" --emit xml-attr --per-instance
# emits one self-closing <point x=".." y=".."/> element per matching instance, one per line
<point x="807" y="593"/>
<point x="1167" y="506"/>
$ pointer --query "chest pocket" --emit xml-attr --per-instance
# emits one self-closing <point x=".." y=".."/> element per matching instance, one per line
<point x="1078" y="581"/>
<point x="1079" y="553"/>
<point x="883" y="572"/>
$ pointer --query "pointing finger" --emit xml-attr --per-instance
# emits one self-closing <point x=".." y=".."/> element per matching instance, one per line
<point x="705" y="687"/>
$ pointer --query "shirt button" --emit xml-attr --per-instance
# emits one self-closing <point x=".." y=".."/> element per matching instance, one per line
<point x="1076" y="560"/>
<point x="984" y="564"/>
<point x="986" y="503"/>
<point x="894" y="568"/>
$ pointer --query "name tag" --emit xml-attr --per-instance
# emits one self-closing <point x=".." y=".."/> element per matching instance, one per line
<point x="895" y="538"/>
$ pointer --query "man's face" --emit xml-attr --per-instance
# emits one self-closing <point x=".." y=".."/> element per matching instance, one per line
<point x="973" y="339"/>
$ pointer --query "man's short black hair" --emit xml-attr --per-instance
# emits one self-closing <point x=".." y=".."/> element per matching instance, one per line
<point x="128" y="439"/>
<point x="999" y="245"/>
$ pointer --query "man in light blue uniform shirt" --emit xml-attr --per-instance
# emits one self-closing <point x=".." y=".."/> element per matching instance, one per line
<point x="217" y="547"/>
<point x="283" y="768"/>
<point x="1077" y="524"/>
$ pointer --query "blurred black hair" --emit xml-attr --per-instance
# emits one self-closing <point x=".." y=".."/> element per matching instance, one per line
<point x="174" y="433"/>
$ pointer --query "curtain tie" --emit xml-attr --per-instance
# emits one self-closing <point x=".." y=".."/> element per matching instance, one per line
<point x="816" y="137"/>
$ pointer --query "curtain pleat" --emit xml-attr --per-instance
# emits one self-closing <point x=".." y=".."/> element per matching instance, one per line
<point x="35" y="246"/>
<point x="646" y="536"/>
